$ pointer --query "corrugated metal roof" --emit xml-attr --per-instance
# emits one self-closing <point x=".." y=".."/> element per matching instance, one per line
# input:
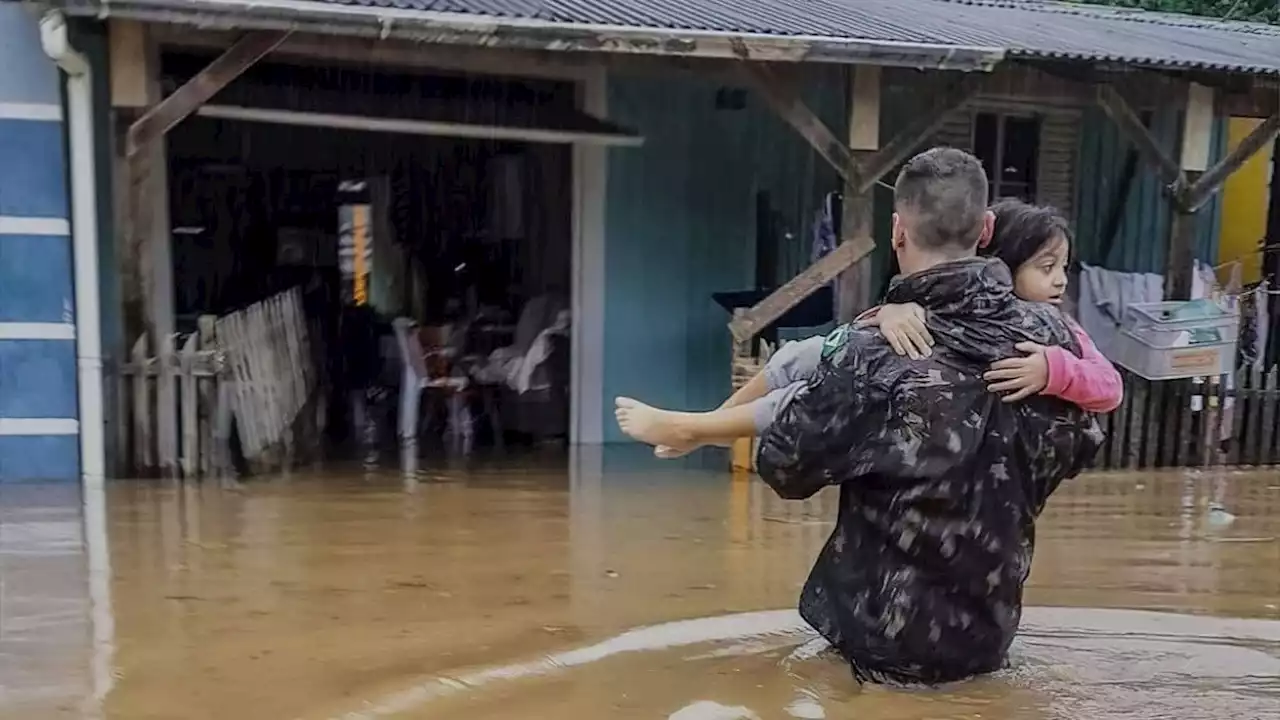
<point x="1026" y="28"/>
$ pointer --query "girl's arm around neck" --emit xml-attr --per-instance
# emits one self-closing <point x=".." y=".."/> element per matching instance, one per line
<point x="1090" y="381"/>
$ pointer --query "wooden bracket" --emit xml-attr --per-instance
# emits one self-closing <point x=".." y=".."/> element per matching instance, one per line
<point x="1187" y="194"/>
<point x="166" y="114"/>
<point x="149" y="129"/>
<point x="924" y="124"/>
<point x="1212" y="180"/>
<point x="860" y="177"/>
<point x="791" y="108"/>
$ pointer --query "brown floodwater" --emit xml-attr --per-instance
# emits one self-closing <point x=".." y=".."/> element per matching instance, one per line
<point x="597" y="586"/>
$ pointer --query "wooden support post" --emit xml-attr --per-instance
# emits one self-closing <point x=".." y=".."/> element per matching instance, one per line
<point x="860" y="176"/>
<point x="858" y="211"/>
<point x="1197" y="140"/>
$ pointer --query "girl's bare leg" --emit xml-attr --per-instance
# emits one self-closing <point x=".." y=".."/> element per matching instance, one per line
<point x="684" y="432"/>
<point x="756" y="388"/>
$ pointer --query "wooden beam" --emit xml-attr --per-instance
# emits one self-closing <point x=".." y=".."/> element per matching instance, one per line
<point x="858" y="210"/>
<point x="746" y="325"/>
<point x="1131" y="127"/>
<point x="162" y="118"/>
<point x="1212" y="180"/>
<point x="847" y="253"/>
<point x="925" y="123"/>
<point x="791" y="108"/>
<point x="1197" y="142"/>
<point x="1197" y="128"/>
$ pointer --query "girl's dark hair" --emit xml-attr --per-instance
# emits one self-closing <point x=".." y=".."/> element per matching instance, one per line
<point x="1022" y="230"/>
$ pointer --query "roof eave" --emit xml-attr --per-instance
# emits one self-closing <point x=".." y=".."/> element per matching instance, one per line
<point x="502" y="32"/>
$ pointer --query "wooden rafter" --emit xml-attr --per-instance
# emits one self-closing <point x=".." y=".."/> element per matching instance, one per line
<point x="791" y="108"/>
<point x="1132" y="127"/>
<point x="860" y="177"/>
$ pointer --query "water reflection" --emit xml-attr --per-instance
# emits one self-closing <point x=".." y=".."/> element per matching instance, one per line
<point x="316" y="593"/>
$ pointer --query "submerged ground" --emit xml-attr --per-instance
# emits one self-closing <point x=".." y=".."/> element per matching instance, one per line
<point x="590" y="587"/>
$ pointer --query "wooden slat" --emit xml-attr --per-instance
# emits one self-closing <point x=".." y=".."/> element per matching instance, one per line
<point x="143" y="457"/>
<point x="207" y="394"/>
<point x="1254" y="431"/>
<point x="166" y="403"/>
<point x="189" y="407"/>
<point x="1270" y="454"/>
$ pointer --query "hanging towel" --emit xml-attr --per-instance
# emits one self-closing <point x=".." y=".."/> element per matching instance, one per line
<point x="1105" y="296"/>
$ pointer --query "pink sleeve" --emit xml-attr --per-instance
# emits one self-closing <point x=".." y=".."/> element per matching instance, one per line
<point x="1090" y="381"/>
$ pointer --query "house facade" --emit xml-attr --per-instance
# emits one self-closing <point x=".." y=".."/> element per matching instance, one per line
<point x="713" y="191"/>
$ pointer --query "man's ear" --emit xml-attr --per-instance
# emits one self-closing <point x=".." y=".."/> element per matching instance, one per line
<point x="899" y="235"/>
<point x="988" y="229"/>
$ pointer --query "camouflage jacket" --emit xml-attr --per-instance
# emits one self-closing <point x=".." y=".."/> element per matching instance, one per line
<point x="940" y="481"/>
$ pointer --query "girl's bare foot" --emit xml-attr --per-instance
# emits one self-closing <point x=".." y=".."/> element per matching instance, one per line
<point x="652" y="426"/>
<point x="666" y="452"/>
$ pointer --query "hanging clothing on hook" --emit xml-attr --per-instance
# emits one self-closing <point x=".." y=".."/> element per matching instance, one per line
<point x="825" y="239"/>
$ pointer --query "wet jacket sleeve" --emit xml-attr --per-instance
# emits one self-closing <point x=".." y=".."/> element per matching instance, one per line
<point x="848" y="425"/>
<point x="1089" y="381"/>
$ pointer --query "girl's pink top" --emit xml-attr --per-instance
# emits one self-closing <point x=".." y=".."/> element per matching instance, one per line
<point x="1090" y="381"/>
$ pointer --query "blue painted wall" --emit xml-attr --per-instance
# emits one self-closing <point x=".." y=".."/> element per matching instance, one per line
<point x="37" y="374"/>
<point x="1142" y="242"/>
<point x="680" y="224"/>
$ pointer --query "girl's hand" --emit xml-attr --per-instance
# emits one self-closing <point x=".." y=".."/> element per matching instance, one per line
<point x="903" y="326"/>
<point x="1020" y="377"/>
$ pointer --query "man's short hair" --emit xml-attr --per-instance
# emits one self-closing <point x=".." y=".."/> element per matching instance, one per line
<point x="941" y="195"/>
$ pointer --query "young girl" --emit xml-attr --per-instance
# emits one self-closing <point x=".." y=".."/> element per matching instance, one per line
<point x="1033" y="241"/>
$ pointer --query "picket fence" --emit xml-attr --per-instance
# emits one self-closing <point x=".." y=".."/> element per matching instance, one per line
<point x="250" y="372"/>
<point x="1210" y="421"/>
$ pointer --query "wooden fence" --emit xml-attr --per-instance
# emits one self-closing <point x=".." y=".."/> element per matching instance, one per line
<point x="1216" y="420"/>
<point x="251" y="372"/>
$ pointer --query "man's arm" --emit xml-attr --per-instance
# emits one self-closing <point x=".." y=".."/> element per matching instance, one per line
<point x="848" y="425"/>
<point x="806" y="447"/>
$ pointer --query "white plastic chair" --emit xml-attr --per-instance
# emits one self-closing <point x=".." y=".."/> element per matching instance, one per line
<point x="415" y="379"/>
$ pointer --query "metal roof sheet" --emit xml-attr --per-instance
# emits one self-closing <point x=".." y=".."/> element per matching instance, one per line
<point x="1021" y="28"/>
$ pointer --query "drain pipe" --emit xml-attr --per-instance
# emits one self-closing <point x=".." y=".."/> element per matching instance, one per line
<point x="84" y="243"/>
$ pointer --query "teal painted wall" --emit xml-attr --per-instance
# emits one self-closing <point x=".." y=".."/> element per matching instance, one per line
<point x="680" y="224"/>
<point x="1141" y="244"/>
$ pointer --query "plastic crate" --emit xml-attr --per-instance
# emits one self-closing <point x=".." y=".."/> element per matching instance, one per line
<point x="1177" y="339"/>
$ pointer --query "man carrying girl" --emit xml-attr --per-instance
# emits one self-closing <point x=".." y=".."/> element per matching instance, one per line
<point x="941" y="481"/>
